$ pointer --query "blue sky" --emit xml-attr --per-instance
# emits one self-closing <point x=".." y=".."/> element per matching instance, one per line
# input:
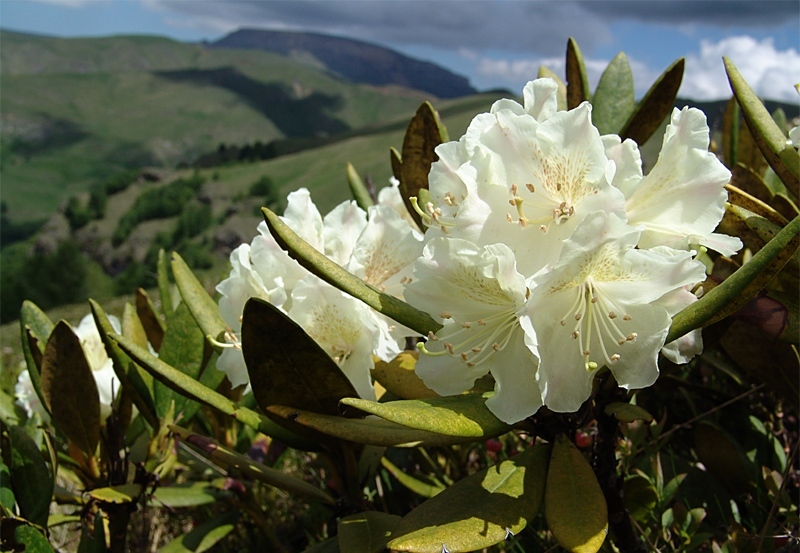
<point x="495" y="43"/>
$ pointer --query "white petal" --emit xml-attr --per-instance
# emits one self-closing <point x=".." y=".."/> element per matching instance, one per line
<point x="517" y="394"/>
<point x="385" y="250"/>
<point x="231" y="362"/>
<point x="541" y="98"/>
<point x="341" y="228"/>
<point x="628" y="161"/>
<point x="682" y="199"/>
<point x="303" y="217"/>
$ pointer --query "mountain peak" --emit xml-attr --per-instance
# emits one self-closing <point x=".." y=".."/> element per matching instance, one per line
<point x="353" y="60"/>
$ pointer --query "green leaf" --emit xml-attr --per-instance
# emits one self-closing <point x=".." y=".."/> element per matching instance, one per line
<point x="366" y="532"/>
<point x="423" y="134"/>
<point x="231" y="460"/>
<point x="722" y="457"/>
<point x="465" y="415"/>
<point x="192" y="494"/>
<point x="399" y="378"/>
<point x="417" y="486"/>
<point x="750" y="183"/>
<point x="32" y="480"/>
<point x="358" y="188"/>
<point x="370" y="431"/>
<point x="479" y="511"/>
<point x="34" y="321"/>
<point x="152" y="323"/>
<point x="205" y="536"/>
<point x="655" y="106"/>
<point x="193" y="389"/>
<point x="333" y="274"/>
<point x="640" y="496"/>
<point x="561" y="95"/>
<point x="331" y="545"/>
<point x="731" y="120"/>
<point x="396" y="163"/>
<point x="70" y="389"/>
<point x="134" y="380"/>
<point x="627" y="412"/>
<point x="117" y="495"/>
<point x="577" y="80"/>
<point x="744" y="284"/>
<point x="182" y="348"/>
<point x="164" y="286"/>
<point x="614" y="99"/>
<point x="782" y="157"/>
<point x="574" y="505"/>
<point x="286" y="366"/>
<point x="202" y="306"/>
<point x="7" y="499"/>
<point x="19" y="535"/>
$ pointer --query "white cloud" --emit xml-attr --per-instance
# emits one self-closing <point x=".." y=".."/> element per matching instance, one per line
<point x="770" y="72"/>
<point x="66" y="3"/>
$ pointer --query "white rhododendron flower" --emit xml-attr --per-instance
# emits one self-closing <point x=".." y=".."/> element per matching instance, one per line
<point x="27" y="398"/>
<point x="682" y="200"/>
<point x="571" y="259"/>
<point x="380" y="250"/>
<point x="476" y="292"/>
<point x="596" y="307"/>
<point x="102" y="366"/>
<point x="515" y="180"/>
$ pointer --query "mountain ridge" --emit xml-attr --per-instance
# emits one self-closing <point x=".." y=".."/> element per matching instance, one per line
<point x="354" y="60"/>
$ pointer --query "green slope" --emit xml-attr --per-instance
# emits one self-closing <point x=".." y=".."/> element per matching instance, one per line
<point x="76" y="110"/>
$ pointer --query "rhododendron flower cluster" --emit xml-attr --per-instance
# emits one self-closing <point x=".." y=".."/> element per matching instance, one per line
<point x="549" y="255"/>
<point x="378" y="246"/>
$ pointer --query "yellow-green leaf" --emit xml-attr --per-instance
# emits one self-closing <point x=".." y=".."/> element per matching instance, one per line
<point x="370" y="431"/>
<point x="614" y="99"/>
<point x="399" y="378"/>
<point x="164" y="286"/>
<point x="465" y="415"/>
<point x="202" y="306"/>
<point x="742" y="285"/>
<point x="358" y="188"/>
<point x="124" y="493"/>
<point x="574" y="505"/>
<point x="35" y="327"/>
<point x="479" y="511"/>
<point x="70" y="389"/>
<point x="782" y="157"/>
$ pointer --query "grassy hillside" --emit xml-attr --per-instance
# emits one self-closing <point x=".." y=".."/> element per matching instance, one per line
<point x="76" y="110"/>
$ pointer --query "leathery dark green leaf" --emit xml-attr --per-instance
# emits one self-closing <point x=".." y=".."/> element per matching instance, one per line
<point x="577" y="79"/>
<point x="422" y="136"/>
<point x="70" y="389"/>
<point x="286" y="366"/>
<point x="202" y="306"/>
<point x="479" y="511"/>
<point x="32" y="480"/>
<point x="655" y="106"/>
